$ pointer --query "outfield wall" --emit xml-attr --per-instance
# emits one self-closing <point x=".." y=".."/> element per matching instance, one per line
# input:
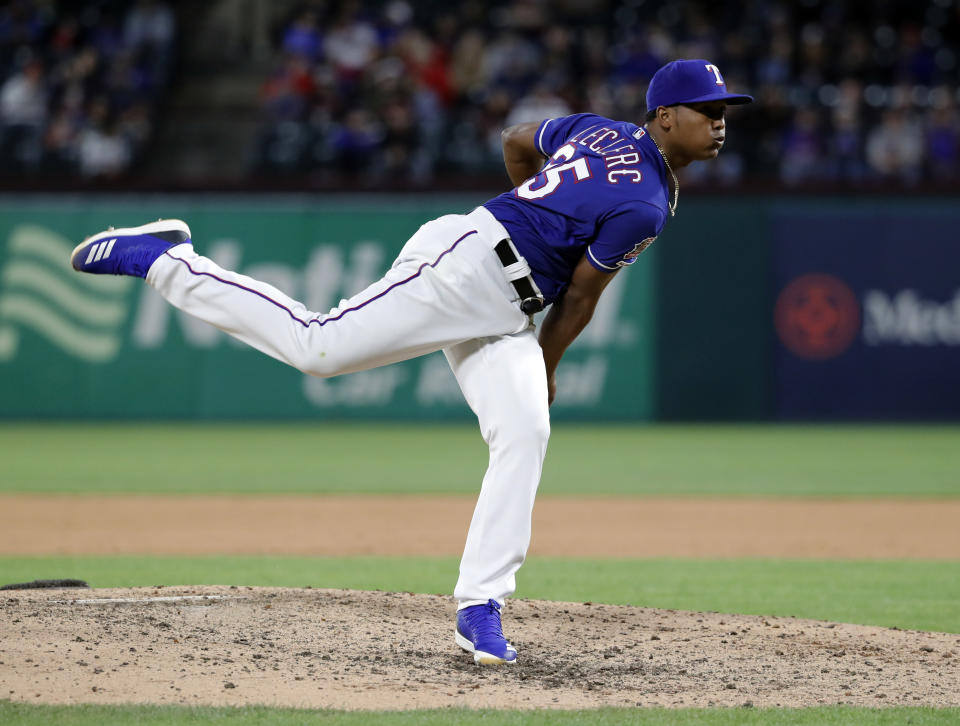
<point x="743" y="309"/>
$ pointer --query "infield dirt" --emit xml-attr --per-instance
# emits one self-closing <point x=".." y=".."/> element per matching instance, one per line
<point x="437" y="526"/>
<point x="219" y="645"/>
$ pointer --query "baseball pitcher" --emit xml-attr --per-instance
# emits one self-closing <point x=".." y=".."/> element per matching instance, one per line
<point x="591" y="194"/>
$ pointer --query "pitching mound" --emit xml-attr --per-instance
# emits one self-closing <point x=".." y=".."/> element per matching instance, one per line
<point x="373" y="650"/>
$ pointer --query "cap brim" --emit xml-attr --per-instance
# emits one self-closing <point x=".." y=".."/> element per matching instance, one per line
<point x="732" y="99"/>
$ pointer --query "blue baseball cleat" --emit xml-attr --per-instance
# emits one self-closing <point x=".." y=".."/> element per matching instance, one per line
<point x="479" y="632"/>
<point x="129" y="250"/>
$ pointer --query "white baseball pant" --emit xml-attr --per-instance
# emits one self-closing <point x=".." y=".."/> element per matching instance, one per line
<point x="446" y="291"/>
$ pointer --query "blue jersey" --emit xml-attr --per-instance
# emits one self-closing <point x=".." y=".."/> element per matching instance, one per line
<point x="603" y="193"/>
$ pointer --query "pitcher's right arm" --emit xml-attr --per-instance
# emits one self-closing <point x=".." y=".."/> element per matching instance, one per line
<point x="520" y="154"/>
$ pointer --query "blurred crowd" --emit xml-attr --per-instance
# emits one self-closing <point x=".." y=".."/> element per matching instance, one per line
<point x="848" y="91"/>
<point x="79" y="83"/>
<point x="417" y="91"/>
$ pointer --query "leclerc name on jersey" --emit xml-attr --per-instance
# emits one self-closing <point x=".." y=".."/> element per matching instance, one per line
<point x="616" y="151"/>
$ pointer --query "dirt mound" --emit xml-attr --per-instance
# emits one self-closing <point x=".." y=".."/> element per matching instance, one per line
<point x="372" y="650"/>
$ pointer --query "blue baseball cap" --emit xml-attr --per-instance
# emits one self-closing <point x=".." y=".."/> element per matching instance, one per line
<point x="690" y="81"/>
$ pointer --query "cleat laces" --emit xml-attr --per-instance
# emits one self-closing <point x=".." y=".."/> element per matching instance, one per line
<point x="484" y="621"/>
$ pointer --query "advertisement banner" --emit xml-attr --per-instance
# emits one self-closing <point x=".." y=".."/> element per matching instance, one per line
<point x="867" y="310"/>
<point x="713" y="350"/>
<point x="79" y="346"/>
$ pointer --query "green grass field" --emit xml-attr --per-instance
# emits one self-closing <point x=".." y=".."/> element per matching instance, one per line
<point x="909" y="595"/>
<point x="791" y="461"/>
<point x="22" y="715"/>
<point x="841" y="461"/>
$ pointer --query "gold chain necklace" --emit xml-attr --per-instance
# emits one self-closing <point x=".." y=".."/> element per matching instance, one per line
<point x="676" y="184"/>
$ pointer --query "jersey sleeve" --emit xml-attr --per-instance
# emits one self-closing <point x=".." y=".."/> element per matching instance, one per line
<point x="624" y="233"/>
<point x="554" y="132"/>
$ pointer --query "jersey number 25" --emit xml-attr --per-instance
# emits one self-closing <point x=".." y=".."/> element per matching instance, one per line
<point x="552" y="175"/>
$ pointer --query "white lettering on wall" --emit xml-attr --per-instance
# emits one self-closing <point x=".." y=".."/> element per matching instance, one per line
<point x="375" y="387"/>
<point x="581" y="384"/>
<point x="907" y="319"/>
<point x="436" y="383"/>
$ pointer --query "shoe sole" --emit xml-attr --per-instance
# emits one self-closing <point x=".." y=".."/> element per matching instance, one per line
<point x="161" y="225"/>
<point x="479" y="656"/>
